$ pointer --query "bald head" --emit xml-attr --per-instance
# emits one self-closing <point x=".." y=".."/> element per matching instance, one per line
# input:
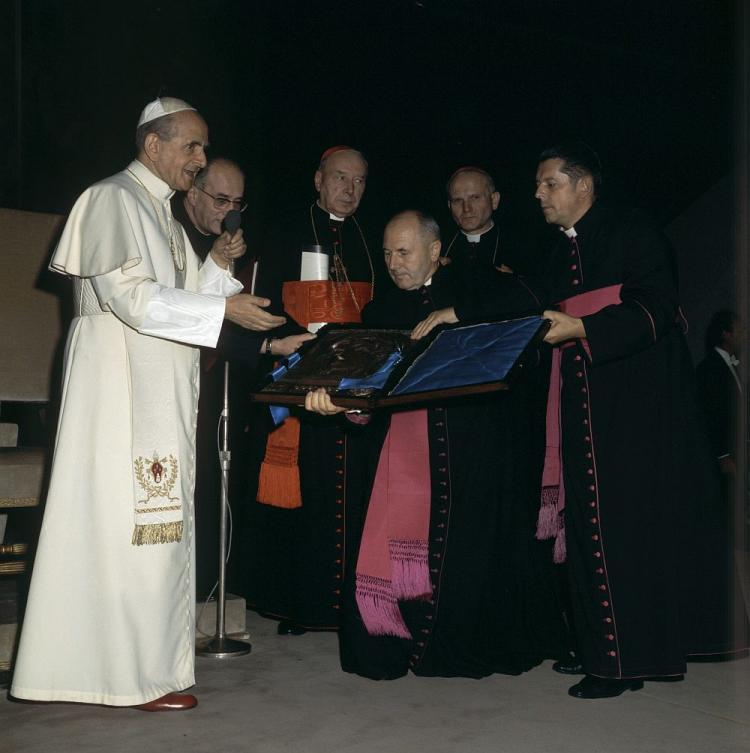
<point x="219" y="166"/>
<point x="411" y="248"/>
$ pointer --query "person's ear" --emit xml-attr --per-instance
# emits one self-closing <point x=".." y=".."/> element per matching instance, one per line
<point x="586" y="185"/>
<point x="152" y="146"/>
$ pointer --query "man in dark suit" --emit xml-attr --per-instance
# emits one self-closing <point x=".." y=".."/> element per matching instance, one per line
<point x="720" y="392"/>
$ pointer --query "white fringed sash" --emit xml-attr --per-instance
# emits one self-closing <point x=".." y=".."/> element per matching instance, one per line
<point x="157" y="466"/>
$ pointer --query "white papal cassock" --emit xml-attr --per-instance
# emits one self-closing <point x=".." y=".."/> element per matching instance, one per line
<point x="110" y="615"/>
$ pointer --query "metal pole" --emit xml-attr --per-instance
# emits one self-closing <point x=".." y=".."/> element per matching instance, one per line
<point x="221" y="647"/>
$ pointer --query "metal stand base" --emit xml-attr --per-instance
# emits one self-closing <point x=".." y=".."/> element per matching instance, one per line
<point x="221" y="647"/>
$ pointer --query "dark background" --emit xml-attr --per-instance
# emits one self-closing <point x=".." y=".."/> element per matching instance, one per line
<point x="420" y="87"/>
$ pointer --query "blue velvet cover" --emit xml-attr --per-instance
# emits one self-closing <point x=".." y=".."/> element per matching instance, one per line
<point x="458" y="357"/>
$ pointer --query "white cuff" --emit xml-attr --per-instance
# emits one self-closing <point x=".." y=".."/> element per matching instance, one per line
<point x="180" y="315"/>
<point x="214" y="280"/>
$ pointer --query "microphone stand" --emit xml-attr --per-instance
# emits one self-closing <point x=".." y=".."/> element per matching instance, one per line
<point x="220" y="646"/>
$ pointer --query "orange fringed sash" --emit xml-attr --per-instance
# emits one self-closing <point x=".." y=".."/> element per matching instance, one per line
<point x="306" y="302"/>
<point x="278" y="484"/>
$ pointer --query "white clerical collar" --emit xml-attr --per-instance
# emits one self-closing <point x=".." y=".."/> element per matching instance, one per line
<point x="331" y="215"/>
<point x="729" y="359"/>
<point x="570" y="232"/>
<point x="732" y="362"/>
<point x="476" y="237"/>
<point x="153" y="183"/>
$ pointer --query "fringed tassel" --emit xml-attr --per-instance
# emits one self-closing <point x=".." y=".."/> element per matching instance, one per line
<point x="279" y="484"/>
<point x="548" y="523"/>
<point x="157" y="533"/>
<point x="410" y="573"/>
<point x="560" y="553"/>
<point x="378" y="607"/>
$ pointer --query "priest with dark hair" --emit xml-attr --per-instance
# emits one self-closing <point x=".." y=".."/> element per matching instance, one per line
<point x="627" y="459"/>
<point x="628" y="492"/>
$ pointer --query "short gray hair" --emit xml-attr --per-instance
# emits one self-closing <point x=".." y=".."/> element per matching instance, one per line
<point x="164" y="127"/>
<point x="429" y="230"/>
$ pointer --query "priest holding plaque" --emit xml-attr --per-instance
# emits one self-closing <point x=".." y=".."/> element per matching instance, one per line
<point x="444" y="575"/>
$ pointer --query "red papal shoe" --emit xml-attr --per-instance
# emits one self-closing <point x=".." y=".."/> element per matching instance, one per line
<point x="170" y="702"/>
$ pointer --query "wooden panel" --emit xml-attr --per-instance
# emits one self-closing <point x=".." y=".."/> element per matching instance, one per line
<point x="30" y="322"/>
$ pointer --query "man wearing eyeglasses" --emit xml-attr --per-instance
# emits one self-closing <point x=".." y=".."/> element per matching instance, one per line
<point x="218" y="188"/>
<point x="201" y="210"/>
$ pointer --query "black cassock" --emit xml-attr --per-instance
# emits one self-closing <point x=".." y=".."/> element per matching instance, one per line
<point x="281" y="256"/>
<point x="241" y="347"/>
<point x="642" y="518"/>
<point x="493" y="607"/>
<point x="293" y="559"/>
<point x="487" y="251"/>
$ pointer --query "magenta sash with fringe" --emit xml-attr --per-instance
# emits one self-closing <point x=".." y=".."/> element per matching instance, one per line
<point x="392" y="563"/>
<point x="550" y="522"/>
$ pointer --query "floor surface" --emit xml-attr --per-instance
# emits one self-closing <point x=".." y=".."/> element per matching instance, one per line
<point x="290" y="696"/>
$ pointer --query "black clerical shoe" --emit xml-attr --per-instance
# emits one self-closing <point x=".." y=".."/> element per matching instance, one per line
<point x="602" y="687"/>
<point x="568" y="666"/>
<point x="286" y="627"/>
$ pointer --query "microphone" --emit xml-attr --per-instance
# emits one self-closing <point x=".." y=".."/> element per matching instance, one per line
<point x="232" y="222"/>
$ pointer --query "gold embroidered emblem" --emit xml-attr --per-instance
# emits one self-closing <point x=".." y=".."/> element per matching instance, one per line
<point x="156" y="476"/>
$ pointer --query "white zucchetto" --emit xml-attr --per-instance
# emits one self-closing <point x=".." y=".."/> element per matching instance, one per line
<point x="162" y="106"/>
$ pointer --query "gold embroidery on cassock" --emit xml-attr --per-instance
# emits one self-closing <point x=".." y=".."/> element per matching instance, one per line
<point x="157" y="477"/>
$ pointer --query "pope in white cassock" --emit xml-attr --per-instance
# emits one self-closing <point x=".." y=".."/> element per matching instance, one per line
<point x="110" y="615"/>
